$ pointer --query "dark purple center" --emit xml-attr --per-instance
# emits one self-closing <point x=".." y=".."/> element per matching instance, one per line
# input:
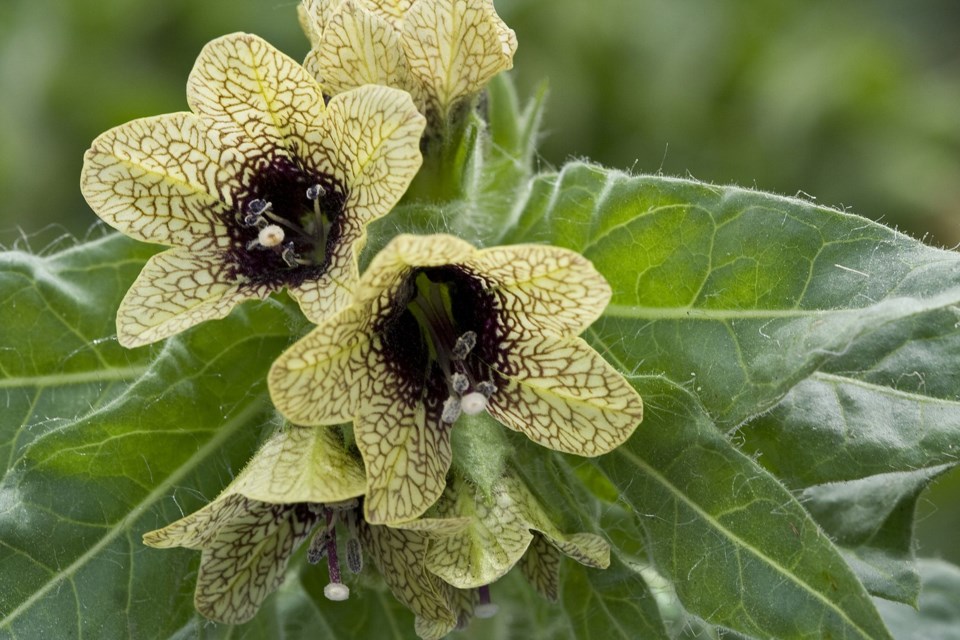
<point x="434" y="307"/>
<point x="306" y="205"/>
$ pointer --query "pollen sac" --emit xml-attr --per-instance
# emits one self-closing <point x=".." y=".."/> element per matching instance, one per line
<point x="354" y="555"/>
<point x="289" y="255"/>
<point x="464" y="345"/>
<point x="460" y="383"/>
<point x="487" y="388"/>
<point x="257" y="206"/>
<point x="451" y="410"/>
<point x="314" y="192"/>
<point x="318" y="547"/>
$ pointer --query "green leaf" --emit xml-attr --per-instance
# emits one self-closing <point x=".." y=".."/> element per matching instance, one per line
<point x="610" y="604"/>
<point x="871" y="519"/>
<point x="102" y="444"/>
<point x="741" y="551"/>
<point x="938" y="615"/>
<point x="896" y="390"/>
<point x="737" y="294"/>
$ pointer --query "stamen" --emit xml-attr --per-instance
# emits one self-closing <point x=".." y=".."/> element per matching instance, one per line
<point x="271" y="236"/>
<point x="473" y="403"/>
<point x="460" y="383"/>
<point x="290" y="256"/>
<point x="464" y="345"/>
<point x="485" y="609"/>
<point x="318" y="547"/>
<point x="451" y="410"/>
<point x="336" y="590"/>
<point x="354" y="555"/>
<point x="487" y="388"/>
<point x="258" y="207"/>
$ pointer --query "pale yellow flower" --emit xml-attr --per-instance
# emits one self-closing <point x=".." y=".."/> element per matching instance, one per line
<point x="441" y="51"/>
<point x="260" y="187"/>
<point x="300" y="482"/>
<point x="437" y="328"/>
<point x="298" y="478"/>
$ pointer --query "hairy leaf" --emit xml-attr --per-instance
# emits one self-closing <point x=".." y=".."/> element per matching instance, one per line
<point x="741" y="551"/>
<point x="103" y="444"/>
<point x="740" y="295"/>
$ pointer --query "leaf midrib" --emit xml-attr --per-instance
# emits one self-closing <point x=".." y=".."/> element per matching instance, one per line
<point x="113" y="374"/>
<point x="737" y="540"/>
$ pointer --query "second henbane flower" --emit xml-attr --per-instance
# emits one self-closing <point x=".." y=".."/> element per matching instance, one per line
<point x="438" y="328"/>
<point x="261" y="187"/>
<point x="441" y="51"/>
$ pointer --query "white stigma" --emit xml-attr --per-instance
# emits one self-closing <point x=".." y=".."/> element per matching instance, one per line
<point x="336" y="591"/>
<point x="486" y="610"/>
<point x="271" y="236"/>
<point x="473" y="403"/>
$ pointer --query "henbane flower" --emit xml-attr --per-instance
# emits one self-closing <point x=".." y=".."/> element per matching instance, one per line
<point x="441" y="51"/>
<point x="303" y="481"/>
<point x="261" y="187"/>
<point x="298" y="478"/>
<point x="438" y="328"/>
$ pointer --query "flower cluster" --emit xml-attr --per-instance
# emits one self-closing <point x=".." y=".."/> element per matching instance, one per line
<point x="269" y="183"/>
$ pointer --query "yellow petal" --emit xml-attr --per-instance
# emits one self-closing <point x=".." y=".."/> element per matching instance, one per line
<point x="407" y="455"/>
<point x="540" y="565"/>
<point x="301" y="464"/>
<point x="247" y="559"/>
<point x="319" y="380"/>
<point x="494" y="541"/>
<point x="197" y="530"/>
<point x="162" y="180"/>
<point x="371" y="144"/>
<point x="391" y="266"/>
<point x="498" y="534"/>
<point x="455" y="47"/>
<point x="258" y="99"/>
<point x="176" y="290"/>
<point x="561" y="394"/>
<point x="545" y="288"/>
<point x="398" y="555"/>
<point x="586" y="548"/>
<point x="393" y="10"/>
<point x="358" y="47"/>
<point x="313" y="14"/>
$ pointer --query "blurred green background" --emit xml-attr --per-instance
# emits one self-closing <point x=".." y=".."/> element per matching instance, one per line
<point x="854" y="103"/>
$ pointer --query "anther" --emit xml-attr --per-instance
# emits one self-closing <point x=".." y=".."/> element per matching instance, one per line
<point x="271" y="236"/>
<point x="257" y="206"/>
<point x="487" y="388"/>
<point x="451" y="410"/>
<point x="289" y="255"/>
<point x="460" y="383"/>
<point x="354" y="556"/>
<point x="464" y="345"/>
<point x="314" y="192"/>
<point x="473" y="403"/>
<point x="318" y="547"/>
